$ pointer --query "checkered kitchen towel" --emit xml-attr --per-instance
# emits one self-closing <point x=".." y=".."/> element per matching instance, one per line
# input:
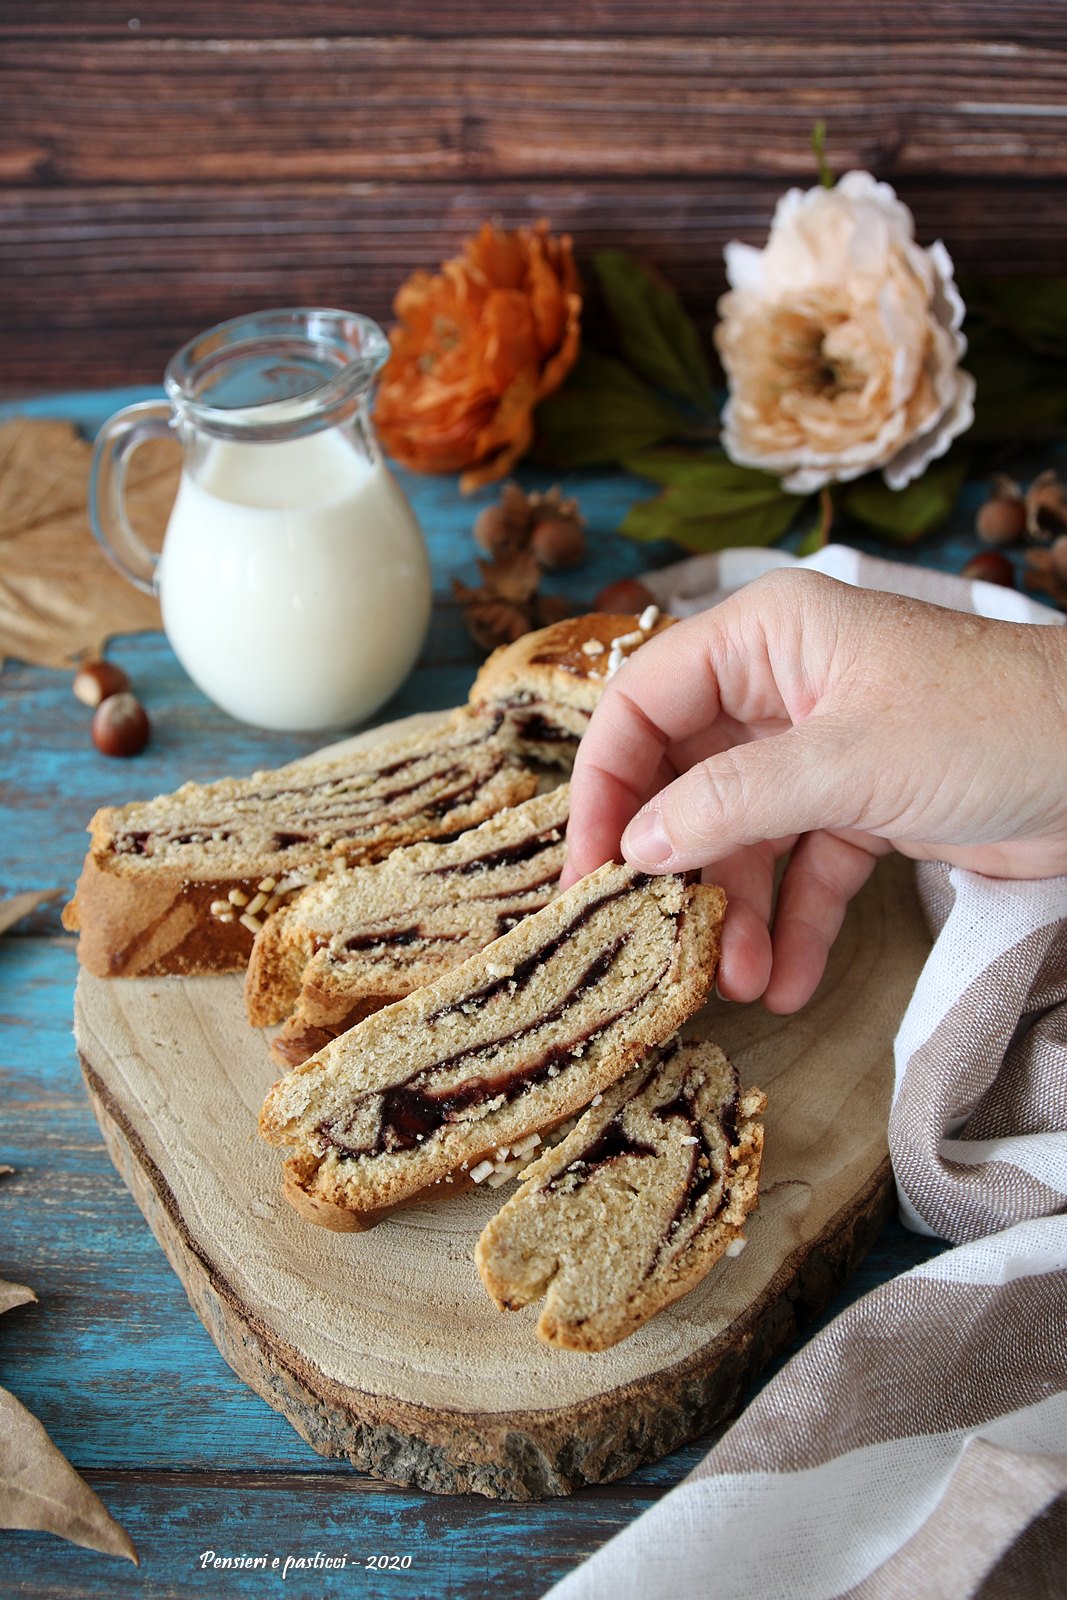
<point x="917" y="1447"/>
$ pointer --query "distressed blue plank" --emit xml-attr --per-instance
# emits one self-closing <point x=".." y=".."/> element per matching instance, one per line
<point x="469" y="1549"/>
<point x="113" y="1360"/>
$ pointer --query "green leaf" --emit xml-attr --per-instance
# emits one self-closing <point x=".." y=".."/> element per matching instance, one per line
<point x="709" y="503"/>
<point x="656" y="334"/>
<point x="601" y="414"/>
<point x="710" y="468"/>
<point x="1020" y="394"/>
<point x="813" y="541"/>
<point x="906" y="514"/>
<point x="1035" y="309"/>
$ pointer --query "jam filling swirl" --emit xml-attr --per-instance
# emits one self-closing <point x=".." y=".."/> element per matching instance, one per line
<point x="511" y="855"/>
<point x="523" y="971"/>
<point x="383" y="939"/>
<point x="519" y="896"/>
<point x="410" y="1114"/>
<point x="412" y="1111"/>
<point x="610" y="1143"/>
<point x="539" y="730"/>
<point x="335" y="786"/>
<point x="348" y="811"/>
<point x="706" y="1166"/>
<point x="351" y="808"/>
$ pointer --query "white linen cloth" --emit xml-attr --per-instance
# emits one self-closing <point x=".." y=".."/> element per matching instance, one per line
<point x="918" y="1445"/>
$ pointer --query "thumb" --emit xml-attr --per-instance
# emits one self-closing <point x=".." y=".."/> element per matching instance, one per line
<point x="793" y="782"/>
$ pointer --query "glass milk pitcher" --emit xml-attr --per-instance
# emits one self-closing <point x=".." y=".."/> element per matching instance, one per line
<point x="293" y="580"/>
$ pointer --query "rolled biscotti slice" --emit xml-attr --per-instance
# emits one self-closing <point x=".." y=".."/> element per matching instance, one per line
<point x="547" y="684"/>
<point x="366" y="936"/>
<point x="635" y="1206"/>
<point x="180" y="884"/>
<point x="510" y="1043"/>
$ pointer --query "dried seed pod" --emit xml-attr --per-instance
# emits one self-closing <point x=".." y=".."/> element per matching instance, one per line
<point x="514" y="577"/>
<point x="553" y="504"/>
<point x="1046" y="507"/>
<point x="495" y="622"/>
<point x="523" y="533"/>
<point x="1042" y="574"/>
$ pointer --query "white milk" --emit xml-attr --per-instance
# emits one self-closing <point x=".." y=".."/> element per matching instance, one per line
<point x="294" y="581"/>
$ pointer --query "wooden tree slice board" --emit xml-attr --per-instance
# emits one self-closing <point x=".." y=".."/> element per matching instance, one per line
<point x="383" y="1347"/>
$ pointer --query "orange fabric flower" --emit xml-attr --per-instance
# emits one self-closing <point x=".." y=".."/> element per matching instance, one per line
<point x="477" y="347"/>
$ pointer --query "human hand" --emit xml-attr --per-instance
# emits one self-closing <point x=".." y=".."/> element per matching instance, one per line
<point x="835" y="724"/>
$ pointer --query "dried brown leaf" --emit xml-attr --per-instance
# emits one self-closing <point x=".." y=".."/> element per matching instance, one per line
<point x="14" y="1294"/>
<point x="60" y="599"/>
<point x="37" y="483"/>
<point x="20" y="905"/>
<point x="39" y="1489"/>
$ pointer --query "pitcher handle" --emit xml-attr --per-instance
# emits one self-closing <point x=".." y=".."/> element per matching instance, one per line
<point x="115" y="444"/>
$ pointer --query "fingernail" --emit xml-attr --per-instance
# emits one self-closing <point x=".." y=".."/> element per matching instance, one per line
<point x="645" y="842"/>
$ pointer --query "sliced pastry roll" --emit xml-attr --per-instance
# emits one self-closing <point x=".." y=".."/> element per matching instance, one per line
<point x="367" y="936"/>
<point x="547" y="684"/>
<point x="510" y="1043"/>
<point x="181" y="883"/>
<point x="635" y="1206"/>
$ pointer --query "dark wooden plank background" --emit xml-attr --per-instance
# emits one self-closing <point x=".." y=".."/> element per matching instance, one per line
<point x="162" y="167"/>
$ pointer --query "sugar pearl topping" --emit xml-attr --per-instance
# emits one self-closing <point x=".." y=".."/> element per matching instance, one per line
<point x="623" y="643"/>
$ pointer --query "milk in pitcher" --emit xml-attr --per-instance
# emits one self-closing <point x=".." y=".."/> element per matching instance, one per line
<point x="275" y="549"/>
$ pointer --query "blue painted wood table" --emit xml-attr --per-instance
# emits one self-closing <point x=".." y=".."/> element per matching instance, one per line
<point x="113" y="1360"/>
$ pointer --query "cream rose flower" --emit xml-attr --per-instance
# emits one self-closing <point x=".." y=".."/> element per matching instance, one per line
<point x="841" y="342"/>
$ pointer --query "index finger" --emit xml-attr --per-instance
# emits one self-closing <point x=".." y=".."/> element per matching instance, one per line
<point x="664" y="692"/>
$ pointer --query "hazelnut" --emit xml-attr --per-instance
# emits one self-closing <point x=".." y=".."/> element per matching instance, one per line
<point x="495" y="531"/>
<point x="558" y="542"/>
<point x="625" y="594"/>
<point x="1002" y="520"/>
<point x="989" y="566"/>
<point x="120" y="726"/>
<point x="95" y="680"/>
